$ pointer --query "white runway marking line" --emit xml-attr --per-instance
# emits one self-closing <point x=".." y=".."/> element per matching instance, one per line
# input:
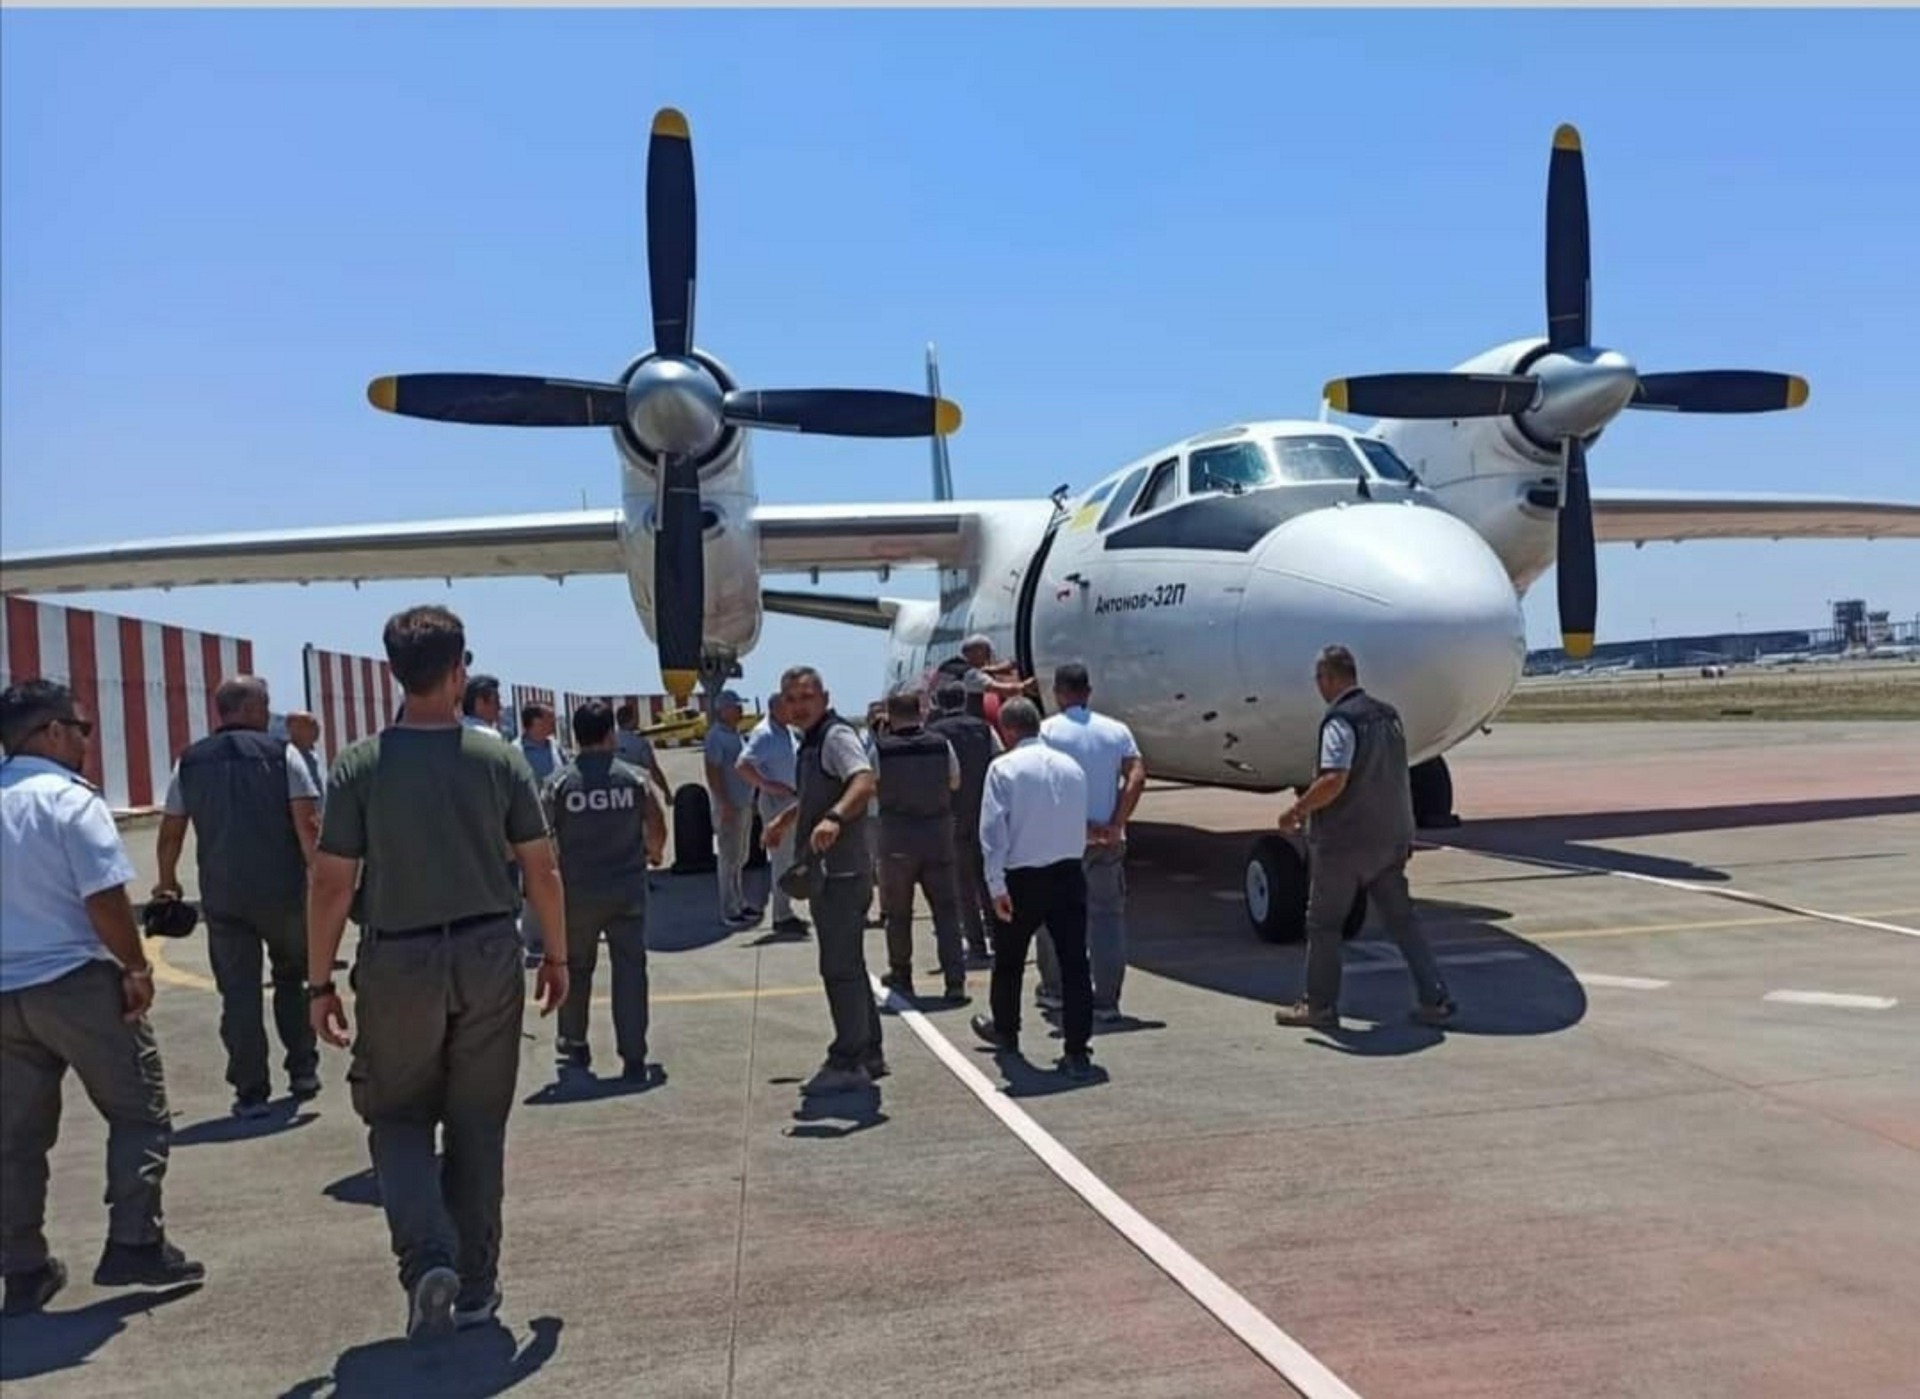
<point x="1291" y="1360"/>
<point x="1689" y="886"/>
<point x="1832" y="998"/>
<point x="1621" y="983"/>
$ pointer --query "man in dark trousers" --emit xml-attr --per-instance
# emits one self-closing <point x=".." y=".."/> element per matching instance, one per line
<point x="1359" y="838"/>
<point x="254" y="809"/>
<point x="836" y="783"/>
<point x="1033" y="832"/>
<point x="427" y="808"/>
<point x="919" y="775"/>
<point x="609" y="830"/>
<point x="976" y="743"/>
<point x="75" y="987"/>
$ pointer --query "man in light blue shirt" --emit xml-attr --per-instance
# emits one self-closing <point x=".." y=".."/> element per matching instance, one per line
<point x="732" y="809"/>
<point x="769" y="765"/>
<point x="74" y="990"/>
<point x="1105" y="749"/>
<point x="1033" y="833"/>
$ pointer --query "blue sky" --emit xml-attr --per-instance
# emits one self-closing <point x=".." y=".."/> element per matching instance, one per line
<point x="1119" y="227"/>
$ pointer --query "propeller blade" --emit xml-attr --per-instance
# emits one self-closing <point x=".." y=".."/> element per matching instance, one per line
<point x="679" y="577"/>
<point x="1579" y="584"/>
<point x="1433" y="395"/>
<point x="499" y="400"/>
<point x="1569" y="269"/>
<point x="1720" y="391"/>
<point x="844" y="412"/>
<point x="670" y="233"/>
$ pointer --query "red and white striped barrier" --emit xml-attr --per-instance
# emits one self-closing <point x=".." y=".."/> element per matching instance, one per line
<point x="353" y="697"/>
<point x="149" y="687"/>
<point x="654" y="709"/>
<point x="524" y="695"/>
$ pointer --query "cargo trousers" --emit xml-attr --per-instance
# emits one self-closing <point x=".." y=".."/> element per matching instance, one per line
<point x="1337" y="877"/>
<point x="439" y="1047"/>
<point x="76" y="1021"/>
<point x="918" y="854"/>
<point x="244" y="946"/>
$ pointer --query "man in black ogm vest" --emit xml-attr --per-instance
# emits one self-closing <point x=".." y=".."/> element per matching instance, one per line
<point x="255" y="814"/>
<point x="1359" y="839"/>
<point x="919" y="775"/>
<point x="835" y="784"/>
<point x="609" y="830"/>
<point x="975" y="743"/>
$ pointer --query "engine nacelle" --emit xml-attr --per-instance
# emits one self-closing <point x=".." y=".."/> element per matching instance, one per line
<point x="730" y="539"/>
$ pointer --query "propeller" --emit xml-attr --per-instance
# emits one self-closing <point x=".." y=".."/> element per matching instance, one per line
<point x="672" y="402"/>
<point x="1566" y="390"/>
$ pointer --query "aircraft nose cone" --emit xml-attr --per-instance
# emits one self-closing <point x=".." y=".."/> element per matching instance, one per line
<point x="1581" y="391"/>
<point x="1418" y="597"/>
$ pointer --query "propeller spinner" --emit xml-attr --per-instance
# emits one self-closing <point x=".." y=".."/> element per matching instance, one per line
<point x="672" y="404"/>
<point x="1568" y="389"/>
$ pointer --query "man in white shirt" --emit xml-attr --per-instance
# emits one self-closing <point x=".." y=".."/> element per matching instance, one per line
<point x="1105" y="749"/>
<point x="74" y="990"/>
<point x="1033" y="833"/>
<point x="732" y="810"/>
<point x="480" y="705"/>
<point x="630" y="746"/>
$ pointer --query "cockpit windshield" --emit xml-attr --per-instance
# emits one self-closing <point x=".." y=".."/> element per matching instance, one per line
<point x="1386" y="462"/>
<point x="1316" y="458"/>
<point x="1232" y="467"/>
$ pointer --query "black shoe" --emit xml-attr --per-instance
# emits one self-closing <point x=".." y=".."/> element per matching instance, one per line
<point x="304" y="1086"/>
<point x="901" y="982"/>
<point x="634" y="1071"/>
<point x="793" y="927"/>
<point x="1439" y="1012"/>
<point x="30" y="1291"/>
<point x="1077" y="1066"/>
<point x="988" y="1031"/>
<point x="145" y="1265"/>
<point x="430" y="1304"/>
<point x="877" y="1068"/>
<point x="957" y="992"/>
<point x="251" y="1107"/>
<point x="475" y="1306"/>
<point x="572" y="1054"/>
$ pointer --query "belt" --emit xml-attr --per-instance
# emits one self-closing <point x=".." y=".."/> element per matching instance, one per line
<point x="428" y="930"/>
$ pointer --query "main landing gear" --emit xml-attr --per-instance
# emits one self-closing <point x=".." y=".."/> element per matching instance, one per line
<point x="1277" y="876"/>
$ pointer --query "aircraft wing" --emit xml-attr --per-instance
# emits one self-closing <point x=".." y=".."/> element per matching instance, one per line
<point x="499" y="546"/>
<point x="793" y="538"/>
<point x="1637" y="517"/>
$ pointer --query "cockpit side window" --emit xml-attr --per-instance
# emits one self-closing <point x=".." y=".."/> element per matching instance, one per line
<point x="1386" y="462"/>
<point x="1121" y="495"/>
<point x="1316" y="457"/>
<point x="1162" y="488"/>
<point x="1227" y="466"/>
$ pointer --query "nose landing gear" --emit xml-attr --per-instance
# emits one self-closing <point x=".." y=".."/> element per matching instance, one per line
<point x="1276" y="885"/>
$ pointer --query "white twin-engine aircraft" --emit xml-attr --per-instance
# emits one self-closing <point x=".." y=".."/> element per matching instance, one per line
<point x="1196" y="583"/>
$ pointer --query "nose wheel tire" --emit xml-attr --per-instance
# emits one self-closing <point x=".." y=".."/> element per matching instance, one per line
<point x="1276" y="884"/>
<point x="1432" y="790"/>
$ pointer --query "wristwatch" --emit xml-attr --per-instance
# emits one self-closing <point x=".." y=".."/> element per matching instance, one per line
<point x="834" y="817"/>
<point x="320" y="991"/>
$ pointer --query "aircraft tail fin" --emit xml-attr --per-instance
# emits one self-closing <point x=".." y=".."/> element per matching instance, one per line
<point x="942" y="468"/>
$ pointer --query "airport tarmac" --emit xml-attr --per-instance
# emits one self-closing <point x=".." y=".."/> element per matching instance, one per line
<point x="1671" y="1147"/>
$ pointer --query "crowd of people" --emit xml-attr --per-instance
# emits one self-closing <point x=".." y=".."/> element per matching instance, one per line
<point x="464" y="857"/>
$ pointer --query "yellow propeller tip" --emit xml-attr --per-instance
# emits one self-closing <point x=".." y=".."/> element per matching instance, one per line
<point x="1796" y="391"/>
<point x="1566" y="137"/>
<point x="1335" y="393"/>
<point x="946" y="417"/>
<point x="383" y="392"/>
<point x="1579" y="645"/>
<point x="670" y="121"/>
<point x="679" y="683"/>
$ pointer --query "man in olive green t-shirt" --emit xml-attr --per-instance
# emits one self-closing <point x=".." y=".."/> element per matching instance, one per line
<point x="428" y="811"/>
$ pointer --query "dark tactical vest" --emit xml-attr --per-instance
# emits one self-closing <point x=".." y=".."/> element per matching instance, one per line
<point x="1374" y="812"/>
<point x="818" y="791"/>
<point x="913" y="776"/>
<point x="956" y="669"/>
<point x="234" y="785"/>
<point x="972" y="740"/>
<point x="600" y="824"/>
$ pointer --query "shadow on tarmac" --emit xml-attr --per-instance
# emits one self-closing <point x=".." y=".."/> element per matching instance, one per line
<point x="286" y="1116"/>
<point x="1182" y="931"/>
<point x="472" y="1364"/>
<point x="31" y="1346"/>
<point x="1569" y="838"/>
<point x="585" y="1086"/>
